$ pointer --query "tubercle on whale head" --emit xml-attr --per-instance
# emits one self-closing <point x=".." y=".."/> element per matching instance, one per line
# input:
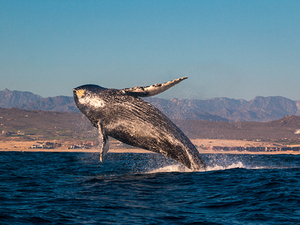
<point x="79" y="93"/>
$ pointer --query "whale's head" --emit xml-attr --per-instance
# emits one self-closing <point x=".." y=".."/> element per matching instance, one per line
<point x="88" y="98"/>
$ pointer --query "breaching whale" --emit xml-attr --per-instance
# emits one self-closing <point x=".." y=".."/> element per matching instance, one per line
<point x="123" y="115"/>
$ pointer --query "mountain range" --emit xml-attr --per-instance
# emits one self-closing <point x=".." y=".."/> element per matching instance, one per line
<point x="259" y="109"/>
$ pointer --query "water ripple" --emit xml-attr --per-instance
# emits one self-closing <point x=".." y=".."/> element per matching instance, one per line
<point x="69" y="188"/>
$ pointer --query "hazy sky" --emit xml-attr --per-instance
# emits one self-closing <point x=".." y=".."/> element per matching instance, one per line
<point x="235" y="49"/>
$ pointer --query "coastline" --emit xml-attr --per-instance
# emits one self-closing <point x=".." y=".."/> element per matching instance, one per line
<point x="148" y="152"/>
<point x="204" y="146"/>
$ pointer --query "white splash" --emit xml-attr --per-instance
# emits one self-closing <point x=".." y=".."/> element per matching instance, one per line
<point x="183" y="169"/>
<point x="171" y="168"/>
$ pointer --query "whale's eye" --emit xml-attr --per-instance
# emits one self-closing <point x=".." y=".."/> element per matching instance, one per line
<point x="80" y="93"/>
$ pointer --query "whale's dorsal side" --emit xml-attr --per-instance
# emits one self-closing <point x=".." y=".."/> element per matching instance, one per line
<point x="152" y="89"/>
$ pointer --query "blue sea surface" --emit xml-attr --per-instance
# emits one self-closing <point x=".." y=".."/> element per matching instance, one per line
<point x="131" y="188"/>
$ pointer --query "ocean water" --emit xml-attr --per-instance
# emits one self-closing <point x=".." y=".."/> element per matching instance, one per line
<point x="129" y="188"/>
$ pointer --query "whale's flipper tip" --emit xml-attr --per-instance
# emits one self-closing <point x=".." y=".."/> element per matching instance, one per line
<point x="152" y="89"/>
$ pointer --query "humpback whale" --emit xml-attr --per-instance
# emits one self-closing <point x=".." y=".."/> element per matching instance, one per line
<point x="123" y="115"/>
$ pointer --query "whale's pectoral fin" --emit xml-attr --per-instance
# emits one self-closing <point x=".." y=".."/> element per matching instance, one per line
<point x="105" y="143"/>
<point x="151" y="90"/>
<point x="104" y="148"/>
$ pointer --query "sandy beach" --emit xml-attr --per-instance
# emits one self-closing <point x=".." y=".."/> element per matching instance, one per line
<point x="203" y="146"/>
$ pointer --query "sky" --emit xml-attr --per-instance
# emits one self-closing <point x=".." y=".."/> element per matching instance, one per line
<point x="235" y="49"/>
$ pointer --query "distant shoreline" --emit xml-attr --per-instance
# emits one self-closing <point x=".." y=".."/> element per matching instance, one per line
<point x="148" y="152"/>
<point x="204" y="146"/>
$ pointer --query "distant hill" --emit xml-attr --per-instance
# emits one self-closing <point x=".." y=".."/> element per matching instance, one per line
<point x="260" y="109"/>
<point x="36" y="124"/>
<point x="58" y="104"/>
<point x="286" y="129"/>
<point x="13" y="98"/>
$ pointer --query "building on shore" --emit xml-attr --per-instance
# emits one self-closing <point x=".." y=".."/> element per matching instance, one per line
<point x="47" y="145"/>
